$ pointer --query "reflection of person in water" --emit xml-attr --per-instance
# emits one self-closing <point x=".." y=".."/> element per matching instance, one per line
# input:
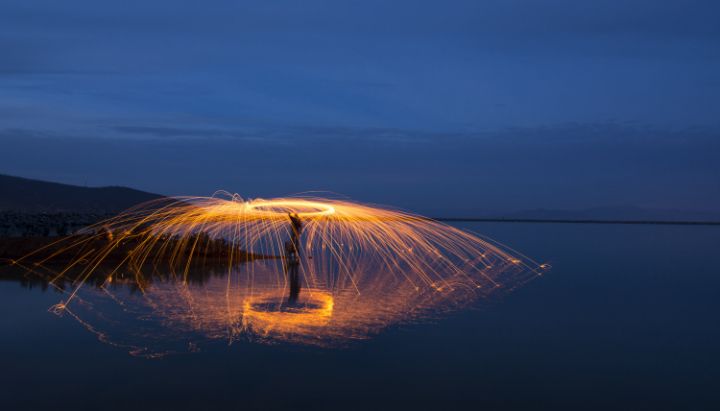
<point x="292" y="257"/>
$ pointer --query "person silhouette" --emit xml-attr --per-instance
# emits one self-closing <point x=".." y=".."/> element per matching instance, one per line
<point x="292" y="257"/>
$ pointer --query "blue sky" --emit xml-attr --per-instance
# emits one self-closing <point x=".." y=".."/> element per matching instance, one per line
<point x="436" y="106"/>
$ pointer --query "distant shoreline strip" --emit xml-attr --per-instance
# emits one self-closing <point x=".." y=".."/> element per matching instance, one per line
<point x="566" y="221"/>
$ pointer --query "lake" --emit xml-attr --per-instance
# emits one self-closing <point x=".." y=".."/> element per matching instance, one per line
<point x="625" y="319"/>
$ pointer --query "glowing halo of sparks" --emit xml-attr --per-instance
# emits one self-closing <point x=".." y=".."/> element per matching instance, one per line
<point x="297" y="207"/>
<point x="221" y="267"/>
<point x="264" y="314"/>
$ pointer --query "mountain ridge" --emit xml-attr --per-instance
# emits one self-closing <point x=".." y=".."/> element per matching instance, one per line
<point x="38" y="196"/>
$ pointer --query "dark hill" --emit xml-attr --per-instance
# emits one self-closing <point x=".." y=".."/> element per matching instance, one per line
<point x="35" y="196"/>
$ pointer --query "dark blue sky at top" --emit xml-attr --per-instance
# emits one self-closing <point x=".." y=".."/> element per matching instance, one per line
<point x="435" y="106"/>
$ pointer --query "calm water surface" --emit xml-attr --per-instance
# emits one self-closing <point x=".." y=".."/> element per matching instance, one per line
<point x="626" y="319"/>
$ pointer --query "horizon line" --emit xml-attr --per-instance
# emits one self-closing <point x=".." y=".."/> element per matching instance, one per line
<point x="572" y="221"/>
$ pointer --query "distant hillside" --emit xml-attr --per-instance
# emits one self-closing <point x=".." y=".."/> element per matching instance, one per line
<point x="34" y="196"/>
<point x="615" y="213"/>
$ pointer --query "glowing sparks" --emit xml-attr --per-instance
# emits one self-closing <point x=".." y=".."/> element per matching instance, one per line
<point x="262" y="315"/>
<point x="360" y="267"/>
<point x="302" y="208"/>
